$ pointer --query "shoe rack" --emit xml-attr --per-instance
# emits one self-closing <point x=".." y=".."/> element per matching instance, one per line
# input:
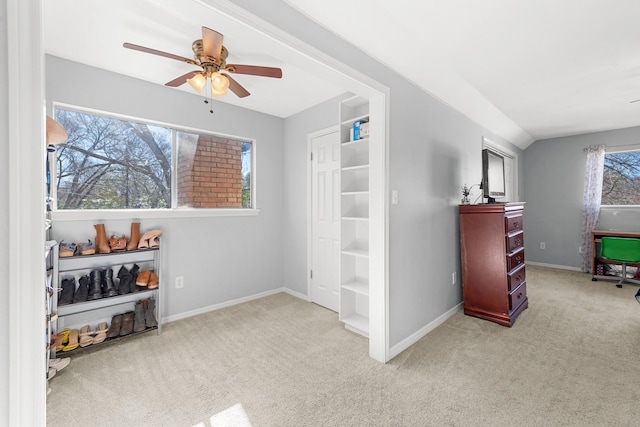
<point x="354" y="223"/>
<point x="75" y="315"/>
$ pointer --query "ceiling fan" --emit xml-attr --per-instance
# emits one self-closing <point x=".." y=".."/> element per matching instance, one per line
<point x="211" y="56"/>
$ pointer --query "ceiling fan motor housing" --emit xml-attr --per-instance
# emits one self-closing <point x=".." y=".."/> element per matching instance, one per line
<point x="204" y="60"/>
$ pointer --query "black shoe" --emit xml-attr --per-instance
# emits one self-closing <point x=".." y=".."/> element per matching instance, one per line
<point x="108" y="288"/>
<point x="95" y="285"/>
<point x="134" y="276"/>
<point x="68" y="289"/>
<point x="638" y="296"/>
<point x="82" y="293"/>
<point x="124" y="285"/>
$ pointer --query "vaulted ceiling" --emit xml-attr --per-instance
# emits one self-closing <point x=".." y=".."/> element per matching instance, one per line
<point x="526" y="70"/>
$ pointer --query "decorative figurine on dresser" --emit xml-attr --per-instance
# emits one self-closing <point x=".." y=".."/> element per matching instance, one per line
<point x="493" y="267"/>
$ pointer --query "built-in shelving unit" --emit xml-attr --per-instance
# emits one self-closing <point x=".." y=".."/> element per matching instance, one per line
<point x="354" y="178"/>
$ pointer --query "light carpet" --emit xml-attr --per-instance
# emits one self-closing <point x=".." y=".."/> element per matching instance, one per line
<point x="571" y="359"/>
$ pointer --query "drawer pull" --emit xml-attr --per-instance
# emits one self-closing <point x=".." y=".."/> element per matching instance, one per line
<point x="516" y="224"/>
<point x="520" y="295"/>
<point x="518" y="259"/>
<point x="517" y="242"/>
<point x="519" y="278"/>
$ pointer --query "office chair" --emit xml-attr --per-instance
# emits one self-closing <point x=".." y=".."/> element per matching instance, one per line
<point x="623" y="250"/>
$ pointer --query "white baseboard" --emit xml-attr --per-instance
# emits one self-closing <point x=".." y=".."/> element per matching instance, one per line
<point x="225" y="304"/>
<point x="415" y="337"/>
<point x="561" y="267"/>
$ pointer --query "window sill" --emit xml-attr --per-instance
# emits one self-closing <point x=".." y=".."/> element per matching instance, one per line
<point x="105" y="214"/>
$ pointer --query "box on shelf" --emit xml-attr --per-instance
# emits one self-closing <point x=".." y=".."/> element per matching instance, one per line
<point x="358" y="129"/>
<point x="364" y="130"/>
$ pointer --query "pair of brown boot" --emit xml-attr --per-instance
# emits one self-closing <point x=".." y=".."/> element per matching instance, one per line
<point x="116" y="243"/>
<point x="144" y="315"/>
<point x="121" y="325"/>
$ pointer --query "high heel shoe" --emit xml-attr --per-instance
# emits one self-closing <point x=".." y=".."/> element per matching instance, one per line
<point x="101" y="333"/>
<point x="149" y="240"/>
<point x="86" y="337"/>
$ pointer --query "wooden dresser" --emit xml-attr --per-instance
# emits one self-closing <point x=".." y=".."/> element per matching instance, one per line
<point x="493" y="267"/>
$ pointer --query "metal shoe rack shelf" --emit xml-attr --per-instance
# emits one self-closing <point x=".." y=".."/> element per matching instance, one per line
<point x="76" y="315"/>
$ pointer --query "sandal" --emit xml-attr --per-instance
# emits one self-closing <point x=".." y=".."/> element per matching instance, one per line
<point x="143" y="278"/>
<point x="73" y="341"/>
<point x="149" y="240"/>
<point x="117" y="242"/>
<point x="153" y="281"/>
<point x="67" y="249"/>
<point x="101" y="333"/>
<point x="61" y="339"/>
<point x="87" y="248"/>
<point x="86" y="337"/>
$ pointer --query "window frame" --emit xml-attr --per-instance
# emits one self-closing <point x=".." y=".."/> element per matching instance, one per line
<point x="173" y="211"/>
<point x="614" y="150"/>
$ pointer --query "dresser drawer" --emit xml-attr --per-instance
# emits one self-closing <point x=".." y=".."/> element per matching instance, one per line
<point x="515" y="259"/>
<point x="517" y="296"/>
<point x="513" y="223"/>
<point x="515" y="241"/>
<point x="515" y="278"/>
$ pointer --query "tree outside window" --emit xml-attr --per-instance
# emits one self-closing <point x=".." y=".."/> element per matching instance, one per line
<point x="621" y="178"/>
<point x="110" y="163"/>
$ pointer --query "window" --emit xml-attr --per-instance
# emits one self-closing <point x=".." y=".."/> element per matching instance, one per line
<point x="621" y="178"/>
<point x="112" y="163"/>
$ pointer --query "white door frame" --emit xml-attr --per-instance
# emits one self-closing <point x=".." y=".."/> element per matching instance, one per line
<point x="310" y="138"/>
<point x="26" y="107"/>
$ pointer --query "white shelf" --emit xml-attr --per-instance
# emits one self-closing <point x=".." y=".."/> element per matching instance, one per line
<point x="355" y="168"/>
<point x="363" y="253"/>
<point x="355" y="142"/>
<point x="355" y="193"/>
<point x="357" y="323"/>
<point x="355" y="218"/>
<point x="352" y="120"/>
<point x="357" y="287"/>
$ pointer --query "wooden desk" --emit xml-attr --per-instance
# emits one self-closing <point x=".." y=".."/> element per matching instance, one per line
<point x="596" y="239"/>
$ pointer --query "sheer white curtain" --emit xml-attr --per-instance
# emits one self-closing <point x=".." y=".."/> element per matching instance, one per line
<point x="591" y="200"/>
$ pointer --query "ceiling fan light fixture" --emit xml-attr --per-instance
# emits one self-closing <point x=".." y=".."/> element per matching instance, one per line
<point x="218" y="93"/>
<point x="197" y="82"/>
<point x="219" y="82"/>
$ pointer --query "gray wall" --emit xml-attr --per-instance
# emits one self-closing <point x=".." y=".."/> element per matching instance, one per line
<point x="554" y="183"/>
<point x="433" y="151"/>
<point x="222" y="258"/>
<point x="4" y="219"/>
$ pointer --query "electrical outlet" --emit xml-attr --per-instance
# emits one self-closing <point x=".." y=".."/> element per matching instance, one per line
<point x="179" y="282"/>
<point x="453" y="278"/>
<point x="543" y="245"/>
<point x="579" y="249"/>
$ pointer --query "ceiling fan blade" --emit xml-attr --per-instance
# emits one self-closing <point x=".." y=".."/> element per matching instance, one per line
<point x="236" y="87"/>
<point x="179" y="81"/>
<point x="254" y="70"/>
<point x="159" y="53"/>
<point x="212" y="43"/>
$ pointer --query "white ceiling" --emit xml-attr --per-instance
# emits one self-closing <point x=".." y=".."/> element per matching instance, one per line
<point x="525" y="70"/>
<point x="92" y="32"/>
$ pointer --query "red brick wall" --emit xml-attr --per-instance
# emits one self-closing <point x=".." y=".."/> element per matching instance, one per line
<point x="209" y="172"/>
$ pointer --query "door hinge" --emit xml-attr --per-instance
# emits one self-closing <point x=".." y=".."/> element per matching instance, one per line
<point x="311" y="274"/>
